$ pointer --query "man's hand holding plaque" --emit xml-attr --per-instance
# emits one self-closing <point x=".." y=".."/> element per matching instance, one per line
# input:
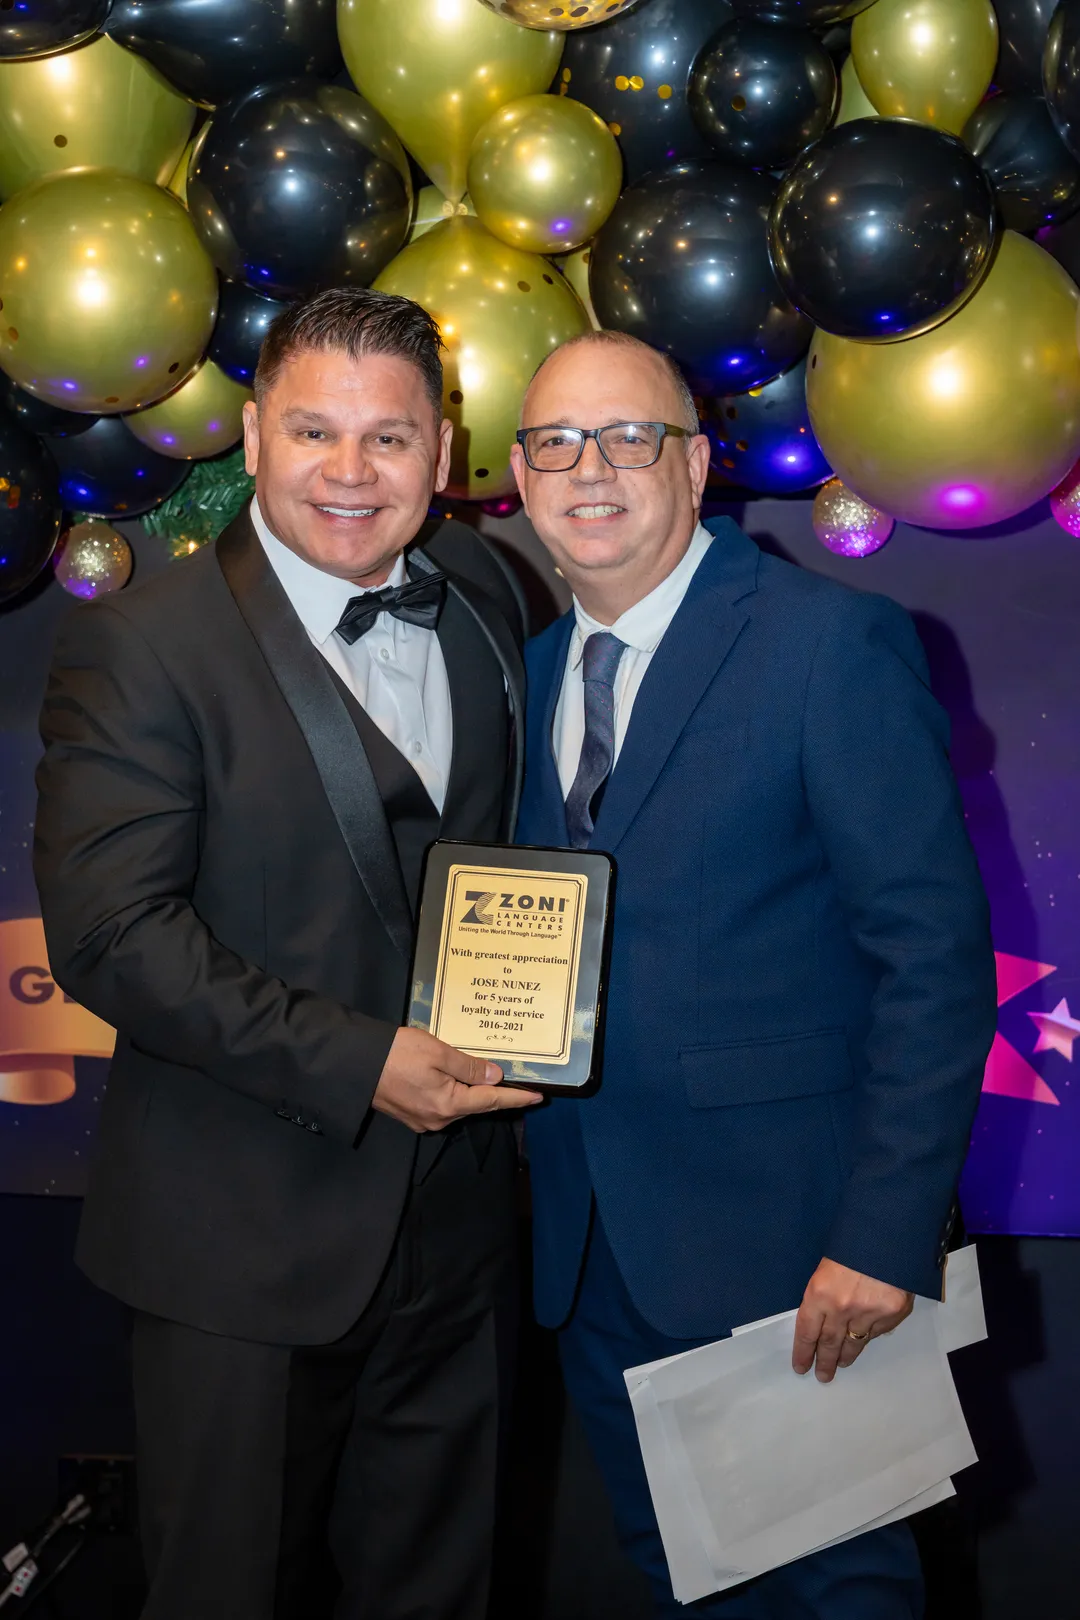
<point x="427" y="1085"/>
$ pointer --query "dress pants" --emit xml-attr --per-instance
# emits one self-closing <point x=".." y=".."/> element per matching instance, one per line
<point x="356" y="1478"/>
<point x="872" y="1577"/>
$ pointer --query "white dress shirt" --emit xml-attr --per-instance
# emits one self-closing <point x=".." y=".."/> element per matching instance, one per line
<point x="642" y="628"/>
<point x="396" y="672"/>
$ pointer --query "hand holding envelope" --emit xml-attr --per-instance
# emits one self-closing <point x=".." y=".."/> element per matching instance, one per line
<point x="750" y="1466"/>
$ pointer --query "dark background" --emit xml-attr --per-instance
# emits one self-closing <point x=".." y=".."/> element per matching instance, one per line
<point x="998" y="614"/>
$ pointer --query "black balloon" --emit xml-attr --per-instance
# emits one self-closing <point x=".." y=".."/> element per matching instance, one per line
<point x="883" y="228"/>
<point x="242" y="322"/>
<point x="1022" y="29"/>
<point x="633" y="71"/>
<point x="37" y="414"/>
<point x="30" y="507"/>
<point x="800" y="13"/>
<point x="763" y="440"/>
<point x="683" y="263"/>
<point x="1062" y="242"/>
<point x="1061" y="72"/>
<point x="213" y="50"/>
<point x="760" y="94"/>
<point x="39" y="27"/>
<point x="107" y="472"/>
<point x="300" y="185"/>
<point x="1036" y="179"/>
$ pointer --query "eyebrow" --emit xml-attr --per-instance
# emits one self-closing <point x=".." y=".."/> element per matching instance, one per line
<point x="294" y="415"/>
<point x="612" y="421"/>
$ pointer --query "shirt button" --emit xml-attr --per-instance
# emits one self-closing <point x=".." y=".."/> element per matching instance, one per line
<point x="417" y="747"/>
<point x="384" y="654"/>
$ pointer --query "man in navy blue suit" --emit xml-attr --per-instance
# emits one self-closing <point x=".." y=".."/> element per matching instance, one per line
<point x="802" y="980"/>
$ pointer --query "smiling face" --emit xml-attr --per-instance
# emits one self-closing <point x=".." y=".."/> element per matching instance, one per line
<point x="346" y="456"/>
<point x="614" y="534"/>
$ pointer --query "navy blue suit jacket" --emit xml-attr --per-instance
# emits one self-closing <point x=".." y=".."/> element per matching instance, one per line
<point x="802" y="990"/>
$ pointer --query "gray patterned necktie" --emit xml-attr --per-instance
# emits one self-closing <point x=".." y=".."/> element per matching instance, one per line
<point x="599" y="663"/>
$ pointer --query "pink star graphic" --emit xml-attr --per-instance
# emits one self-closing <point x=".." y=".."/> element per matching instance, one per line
<point x="1007" y="1073"/>
<point x="1057" y="1030"/>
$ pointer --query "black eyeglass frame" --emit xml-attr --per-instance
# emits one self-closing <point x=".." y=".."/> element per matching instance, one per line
<point x="662" y="428"/>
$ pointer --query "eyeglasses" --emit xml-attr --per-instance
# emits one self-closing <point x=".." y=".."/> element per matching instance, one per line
<point x="622" y="444"/>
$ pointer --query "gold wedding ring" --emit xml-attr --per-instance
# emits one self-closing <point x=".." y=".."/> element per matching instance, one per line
<point x="860" y="1338"/>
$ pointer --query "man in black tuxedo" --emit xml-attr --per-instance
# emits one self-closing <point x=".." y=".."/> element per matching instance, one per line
<point x="309" y="1208"/>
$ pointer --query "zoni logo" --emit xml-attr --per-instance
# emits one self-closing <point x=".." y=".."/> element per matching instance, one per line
<point x="485" y="915"/>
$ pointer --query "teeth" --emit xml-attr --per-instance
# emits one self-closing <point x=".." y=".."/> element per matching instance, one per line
<point x="595" y="511"/>
<point x="349" y="511"/>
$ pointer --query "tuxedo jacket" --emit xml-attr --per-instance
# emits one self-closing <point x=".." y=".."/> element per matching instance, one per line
<point x="219" y="881"/>
<point x="802" y="989"/>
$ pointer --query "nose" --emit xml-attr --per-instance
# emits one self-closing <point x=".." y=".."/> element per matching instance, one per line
<point x="348" y="464"/>
<point x="592" y="468"/>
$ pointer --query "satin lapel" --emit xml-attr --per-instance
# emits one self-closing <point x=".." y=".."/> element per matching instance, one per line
<point x="306" y="684"/>
<point x="499" y="637"/>
<point x="699" y="638"/>
<point x="550" y="786"/>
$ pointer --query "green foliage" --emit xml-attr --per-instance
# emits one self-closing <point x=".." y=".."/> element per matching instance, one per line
<point x="206" y="502"/>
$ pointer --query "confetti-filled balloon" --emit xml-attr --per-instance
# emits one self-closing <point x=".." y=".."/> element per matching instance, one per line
<point x="93" y="560"/>
<point x="972" y="422"/>
<point x="94" y="106"/>
<point x="39" y="27"/>
<point x="214" y="51"/>
<point x="634" y="70"/>
<point x="763" y="439"/>
<point x="108" y="297"/>
<point x="760" y="94"/>
<point x="847" y="525"/>
<point x="1065" y="502"/>
<point x="883" y="228"/>
<point x="927" y="59"/>
<point x="202" y="417"/>
<point x="683" y="263"/>
<point x="544" y="173"/>
<point x="438" y="69"/>
<point x="301" y="185"/>
<point x="1035" y="178"/>
<point x="107" y="471"/>
<point x="501" y="312"/>
<point x="562" y="14"/>
<point x="30" y="507"/>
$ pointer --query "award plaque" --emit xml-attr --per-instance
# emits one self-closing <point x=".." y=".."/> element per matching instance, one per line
<point x="511" y="958"/>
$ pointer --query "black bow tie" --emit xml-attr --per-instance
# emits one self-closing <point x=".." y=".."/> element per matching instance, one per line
<point x="418" y="601"/>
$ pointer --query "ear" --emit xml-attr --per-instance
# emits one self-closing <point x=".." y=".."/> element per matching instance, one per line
<point x="251" y="438"/>
<point x="518" y="466"/>
<point x="442" y="465"/>
<point x="697" y="457"/>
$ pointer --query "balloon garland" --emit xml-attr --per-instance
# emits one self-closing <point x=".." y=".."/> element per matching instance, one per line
<point x="837" y="247"/>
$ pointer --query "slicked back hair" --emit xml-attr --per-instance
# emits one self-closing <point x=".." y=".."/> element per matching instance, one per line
<point x="688" y="413"/>
<point x="356" y="321"/>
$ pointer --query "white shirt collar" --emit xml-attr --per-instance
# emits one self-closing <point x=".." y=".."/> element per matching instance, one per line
<point x="319" y="599"/>
<point x="644" y="625"/>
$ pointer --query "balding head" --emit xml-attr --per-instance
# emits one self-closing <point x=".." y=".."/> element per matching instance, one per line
<point x="614" y="532"/>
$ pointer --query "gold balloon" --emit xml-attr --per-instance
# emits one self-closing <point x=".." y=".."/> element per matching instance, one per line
<point x="561" y="14"/>
<point x="971" y="422"/>
<point x="544" y="173"/>
<point x="500" y="312"/>
<point x="96" y="105"/>
<point x="432" y="208"/>
<point x="847" y="525"/>
<point x="93" y="560"/>
<point x="926" y="59"/>
<point x="575" y="267"/>
<point x="438" y="69"/>
<point x="200" y="418"/>
<point x="854" y="102"/>
<point x="107" y="296"/>
<point x="178" y="180"/>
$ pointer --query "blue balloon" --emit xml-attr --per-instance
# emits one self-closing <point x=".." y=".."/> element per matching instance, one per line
<point x="763" y="440"/>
